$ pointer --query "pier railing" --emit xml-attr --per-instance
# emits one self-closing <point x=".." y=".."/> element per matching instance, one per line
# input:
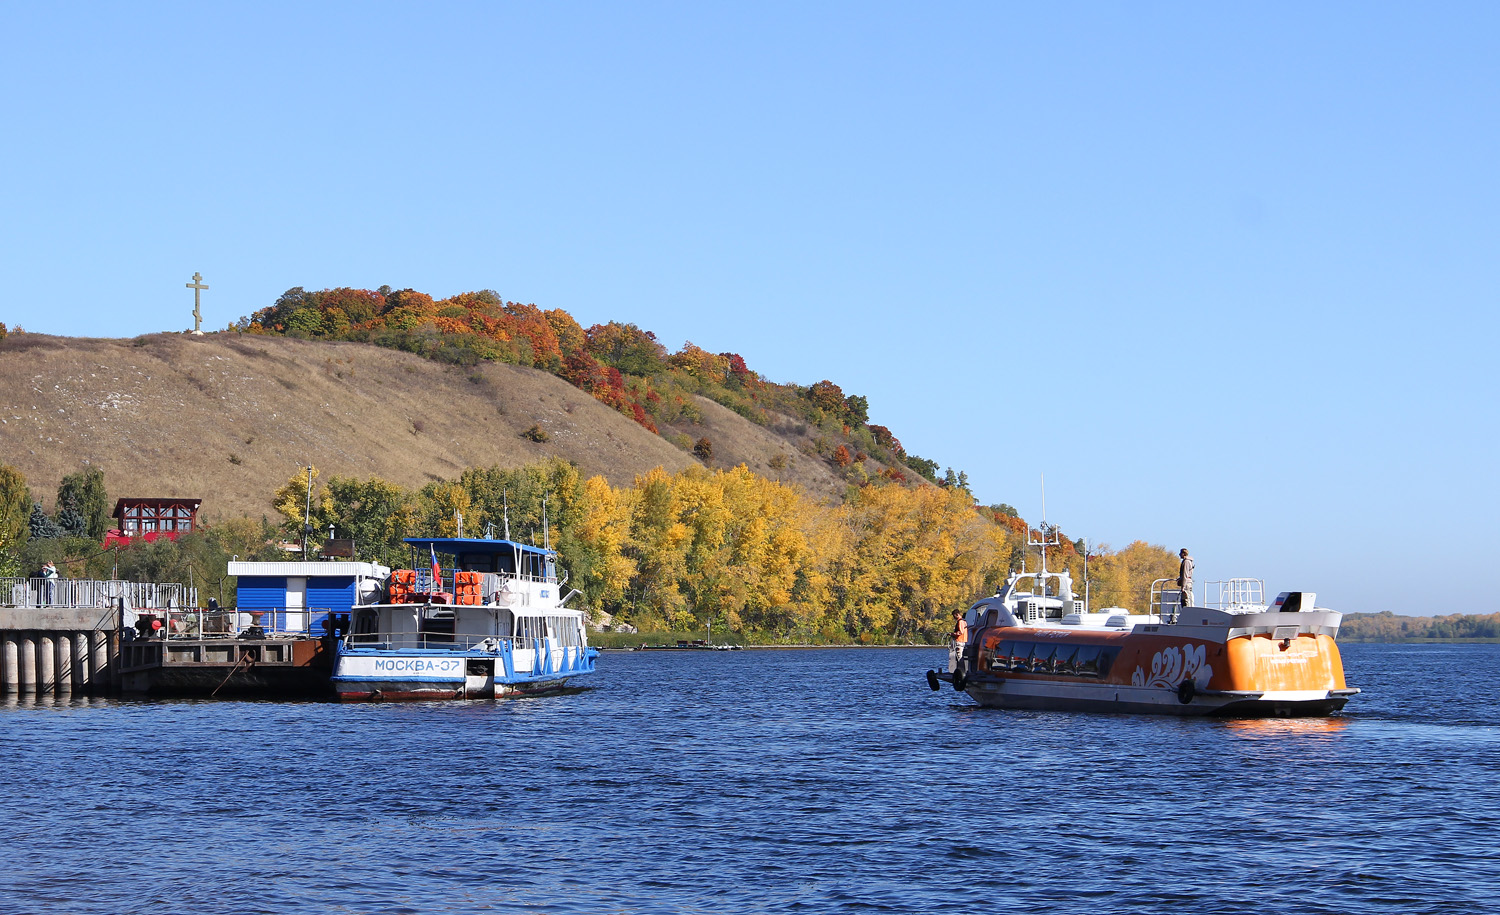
<point x="66" y="593"/>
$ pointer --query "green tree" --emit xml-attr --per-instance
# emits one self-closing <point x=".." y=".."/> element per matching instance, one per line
<point x="374" y="513"/>
<point x="628" y="348"/>
<point x="84" y="493"/>
<point x="42" y="527"/>
<point x="857" y="409"/>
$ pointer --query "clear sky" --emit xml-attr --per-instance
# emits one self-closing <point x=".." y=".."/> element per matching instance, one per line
<point x="1225" y="273"/>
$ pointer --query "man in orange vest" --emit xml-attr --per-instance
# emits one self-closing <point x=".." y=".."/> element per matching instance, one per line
<point x="960" y="629"/>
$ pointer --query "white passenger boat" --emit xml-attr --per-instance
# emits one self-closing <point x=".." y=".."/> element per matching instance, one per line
<point x="492" y="623"/>
<point x="1037" y="645"/>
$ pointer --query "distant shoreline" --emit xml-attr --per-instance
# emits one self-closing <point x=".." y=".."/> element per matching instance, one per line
<point x="1421" y="641"/>
<point x="739" y="647"/>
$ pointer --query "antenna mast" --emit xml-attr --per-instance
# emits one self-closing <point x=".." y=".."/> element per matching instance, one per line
<point x="307" y="511"/>
<point x="1044" y="538"/>
<point x="505" y="502"/>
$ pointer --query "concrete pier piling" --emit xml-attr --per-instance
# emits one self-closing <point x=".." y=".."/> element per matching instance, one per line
<point x="10" y="658"/>
<point x="64" y="636"/>
<point x="46" y="663"/>
<point x="51" y="661"/>
<point x="98" y="660"/>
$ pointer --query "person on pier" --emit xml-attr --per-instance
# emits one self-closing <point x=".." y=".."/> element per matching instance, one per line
<point x="49" y="583"/>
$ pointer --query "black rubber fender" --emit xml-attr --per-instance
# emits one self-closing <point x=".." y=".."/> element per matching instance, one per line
<point x="1186" y="691"/>
<point x="959" y="680"/>
<point x="932" y="681"/>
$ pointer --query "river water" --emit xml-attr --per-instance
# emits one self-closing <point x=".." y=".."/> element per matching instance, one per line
<point x="815" y="781"/>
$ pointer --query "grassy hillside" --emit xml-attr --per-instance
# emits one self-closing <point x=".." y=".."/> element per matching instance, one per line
<point x="229" y="417"/>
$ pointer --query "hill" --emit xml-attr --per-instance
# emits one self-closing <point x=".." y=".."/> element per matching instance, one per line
<point x="228" y="417"/>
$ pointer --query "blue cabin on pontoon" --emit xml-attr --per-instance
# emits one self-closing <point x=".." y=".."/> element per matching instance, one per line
<point x="297" y="597"/>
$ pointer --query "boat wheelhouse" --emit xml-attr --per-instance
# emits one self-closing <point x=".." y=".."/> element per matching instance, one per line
<point x="1035" y="644"/>
<point x="492" y="623"/>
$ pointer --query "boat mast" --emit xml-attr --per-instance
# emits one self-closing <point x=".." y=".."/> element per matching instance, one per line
<point x="1086" y="547"/>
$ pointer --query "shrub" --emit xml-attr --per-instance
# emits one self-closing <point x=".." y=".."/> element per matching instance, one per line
<point x="536" y="434"/>
<point x="703" y="449"/>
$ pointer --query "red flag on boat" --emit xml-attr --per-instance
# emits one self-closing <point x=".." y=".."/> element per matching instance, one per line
<point x="437" y="570"/>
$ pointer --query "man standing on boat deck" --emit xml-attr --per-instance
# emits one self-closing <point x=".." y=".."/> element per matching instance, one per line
<point x="1185" y="577"/>
<point x="960" y="630"/>
<point x="960" y="645"/>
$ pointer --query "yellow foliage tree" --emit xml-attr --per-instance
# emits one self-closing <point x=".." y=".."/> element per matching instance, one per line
<point x="298" y="499"/>
<point x="602" y="528"/>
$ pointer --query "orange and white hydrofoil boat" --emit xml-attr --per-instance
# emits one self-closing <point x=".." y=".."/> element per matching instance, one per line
<point x="1034" y="645"/>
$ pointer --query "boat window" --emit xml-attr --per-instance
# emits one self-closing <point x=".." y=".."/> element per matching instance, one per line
<point x="1107" y="659"/>
<point x="1086" y="662"/>
<point x="1022" y="660"/>
<point x="1002" y="655"/>
<point x="476" y="562"/>
<point x="1062" y="661"/>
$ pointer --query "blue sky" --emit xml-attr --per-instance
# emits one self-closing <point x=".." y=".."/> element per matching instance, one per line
<point x="1227" y="275"/>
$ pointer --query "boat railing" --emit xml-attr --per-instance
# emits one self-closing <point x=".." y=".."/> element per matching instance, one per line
<point x="550" y="655"/>
<point x="212" y="622"/>
<point x="444" y="580"/>
<point x="458" y="641"/>
<point x="1234" y="594"/>
<point x="425" y="583"/>
<point x="1167" y="599"/>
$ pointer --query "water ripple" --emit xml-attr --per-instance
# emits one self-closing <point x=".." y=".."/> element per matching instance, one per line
<point x="797" y="781"/>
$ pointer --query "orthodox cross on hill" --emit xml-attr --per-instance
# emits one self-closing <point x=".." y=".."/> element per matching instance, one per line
<point x="197" y="286"/>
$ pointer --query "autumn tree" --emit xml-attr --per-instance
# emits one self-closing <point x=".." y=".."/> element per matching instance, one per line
<point x="15" y="515"/>
<point x="601" y="568"/>
<point x="658" y="545"/>
<point x="298" y="499"/>
<point x="443" y="507"/>
<point x="827" y="396"/>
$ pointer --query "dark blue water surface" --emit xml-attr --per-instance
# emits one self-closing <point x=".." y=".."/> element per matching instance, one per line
<point x="760" y="781"/>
